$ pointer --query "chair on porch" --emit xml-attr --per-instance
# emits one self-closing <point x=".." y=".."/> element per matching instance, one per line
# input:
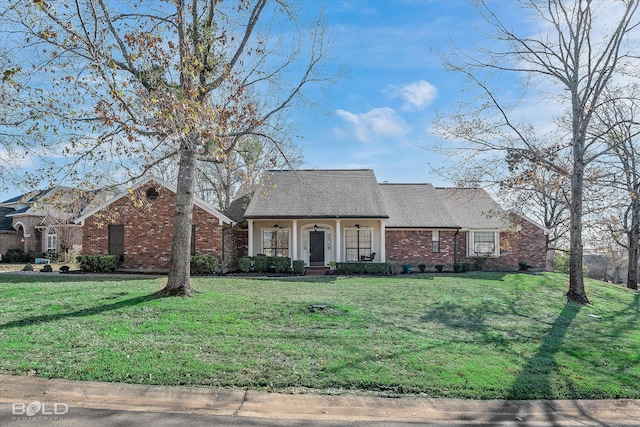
<point x="368" y="258"/>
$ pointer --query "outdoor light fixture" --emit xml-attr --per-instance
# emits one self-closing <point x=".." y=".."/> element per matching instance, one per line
<point x="315" y="227"/>
<point x="22" y="240"/>
<point x="357" y="225"/>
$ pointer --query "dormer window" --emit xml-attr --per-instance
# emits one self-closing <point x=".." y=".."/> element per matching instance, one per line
<point x="152" y="193"/>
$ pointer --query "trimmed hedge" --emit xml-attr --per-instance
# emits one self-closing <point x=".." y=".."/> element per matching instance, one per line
<point x="376" y="268"/>
<point x="298" y="267"/>
<point x="265" y="264"/>
<point x="98" y="263"/>
<point x="204" y="264"/>
<point x="244" y="264"/>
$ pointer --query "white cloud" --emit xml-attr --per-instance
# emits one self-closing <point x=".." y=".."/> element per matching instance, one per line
<point x="377" y="123"/>
<point x="415" y="95"/>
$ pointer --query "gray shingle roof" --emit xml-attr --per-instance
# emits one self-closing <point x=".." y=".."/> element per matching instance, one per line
<point x="474" y="208"/>
<point x="416" y="206"/>
<point x="317" y="194"/>
<point x="425" y="206"/>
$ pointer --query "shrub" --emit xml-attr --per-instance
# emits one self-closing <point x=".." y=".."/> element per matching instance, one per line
<point x="98" y="263"/>
<point x="260" y="263"/>
<point x="394" y="268"/>
<point x="281" y="263"/>
<point x="16" y="256"/>
<point x="204" y="264"/>
<point x="439" y="268"/>
<point x="422" y="267"/>
<point x="561" y="263"/>
<point x="298" y="267"/>
<point x="244" y="264"/>
<point x="378" y="268"/>
<point x="523" y="266"/>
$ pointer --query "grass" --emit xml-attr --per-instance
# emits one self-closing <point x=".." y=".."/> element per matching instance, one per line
<point x="481" y="336"/>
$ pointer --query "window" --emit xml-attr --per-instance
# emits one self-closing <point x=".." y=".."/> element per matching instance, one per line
<point x="483" y="243"/>
<point x="116" y="241"/>
<point x="152" y="193"/>
<point x="275" y="242"/>
<point x="358" y="243"/>
<point x="52" y="240"/>
<point x="435" y="241"/>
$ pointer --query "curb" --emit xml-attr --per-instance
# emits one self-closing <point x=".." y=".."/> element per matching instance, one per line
<point x="274" y="406"/>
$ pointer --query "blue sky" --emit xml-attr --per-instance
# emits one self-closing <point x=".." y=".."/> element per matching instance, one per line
<point x="378" y="115"/>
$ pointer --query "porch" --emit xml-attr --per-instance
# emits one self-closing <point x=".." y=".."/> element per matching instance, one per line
<point x="318" y="242"/>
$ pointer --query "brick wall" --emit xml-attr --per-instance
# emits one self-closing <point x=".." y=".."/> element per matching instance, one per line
<point x="236" y="246"/>
<point x="527" y="244"/>
<point x="148" y="230"/>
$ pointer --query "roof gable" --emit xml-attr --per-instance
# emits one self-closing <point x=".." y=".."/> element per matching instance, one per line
<point x="196" y="201"/>
<point x="333" y="193"/>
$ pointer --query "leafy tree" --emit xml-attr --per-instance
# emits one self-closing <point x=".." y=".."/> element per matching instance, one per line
<point x="132" y="83"/>
<point x="574" y="57"/>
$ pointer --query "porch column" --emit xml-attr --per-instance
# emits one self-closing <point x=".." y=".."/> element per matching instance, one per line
<point x="294" y="246"/>
<point x="383" y="242"/>
<point x="250" y="240"/>
<point x="338" y="243"/>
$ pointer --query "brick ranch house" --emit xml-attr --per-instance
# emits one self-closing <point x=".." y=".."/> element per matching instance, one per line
<point x="42" y="221"/>
<point x="322" y="216"/>
<point x="137" y="225"/>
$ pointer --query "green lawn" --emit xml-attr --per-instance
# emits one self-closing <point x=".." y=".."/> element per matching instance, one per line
<point x="483" y="335"/>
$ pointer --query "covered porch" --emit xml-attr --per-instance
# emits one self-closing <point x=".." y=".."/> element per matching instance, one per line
<point x="318" y="241"/>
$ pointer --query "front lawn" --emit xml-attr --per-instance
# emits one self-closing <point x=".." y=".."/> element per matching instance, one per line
<point x="482" y="335"/>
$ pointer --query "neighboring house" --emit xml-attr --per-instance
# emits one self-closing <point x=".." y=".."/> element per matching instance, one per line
<point x="137" y="225"/>
<point x="42" y="222"/>
<point x="322" y="216"/>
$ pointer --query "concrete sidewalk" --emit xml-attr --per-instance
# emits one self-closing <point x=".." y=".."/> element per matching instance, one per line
<point x="30" y="399"/>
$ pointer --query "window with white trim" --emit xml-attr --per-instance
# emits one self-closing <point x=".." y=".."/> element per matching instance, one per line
<point x="275" y="242"/>
<point x="484" y="243"/>
<point x="358" y="243"/>
<point x="435" y="241"/>
<point x="52" y="239"/>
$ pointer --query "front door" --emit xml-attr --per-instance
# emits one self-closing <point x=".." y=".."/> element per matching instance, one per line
<point x="316" y="248"/>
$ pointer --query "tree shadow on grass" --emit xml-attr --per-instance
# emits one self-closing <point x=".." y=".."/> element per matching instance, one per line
<point x="7" y="278"/>
<point x="535" y="380"/>
<point x="45" y="318"/>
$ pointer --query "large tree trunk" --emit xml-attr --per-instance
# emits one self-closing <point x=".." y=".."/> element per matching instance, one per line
<point x="576" y="290"/>
<point x="634" y="237"/>
<point x="179" y="282"/>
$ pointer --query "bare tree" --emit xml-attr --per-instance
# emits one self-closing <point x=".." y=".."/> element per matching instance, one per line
<point x="134" y="83"/>
<point x="619" y="125"/>
<point x="578" y="57"/>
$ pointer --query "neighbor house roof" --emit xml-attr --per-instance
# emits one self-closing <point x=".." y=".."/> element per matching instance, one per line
<point x="6" y="223"/>
<point x="328" y="193"/>
<point x="196" y="201"/>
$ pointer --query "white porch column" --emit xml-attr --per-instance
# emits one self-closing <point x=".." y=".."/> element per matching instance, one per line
<point x="250" y="240"/>
<point x="294" y="248"/>
<point x="338" y="242"/>
<point x="383" y="242"/>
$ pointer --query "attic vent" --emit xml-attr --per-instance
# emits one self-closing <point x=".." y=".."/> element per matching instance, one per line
<point x="152" y="193"/>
